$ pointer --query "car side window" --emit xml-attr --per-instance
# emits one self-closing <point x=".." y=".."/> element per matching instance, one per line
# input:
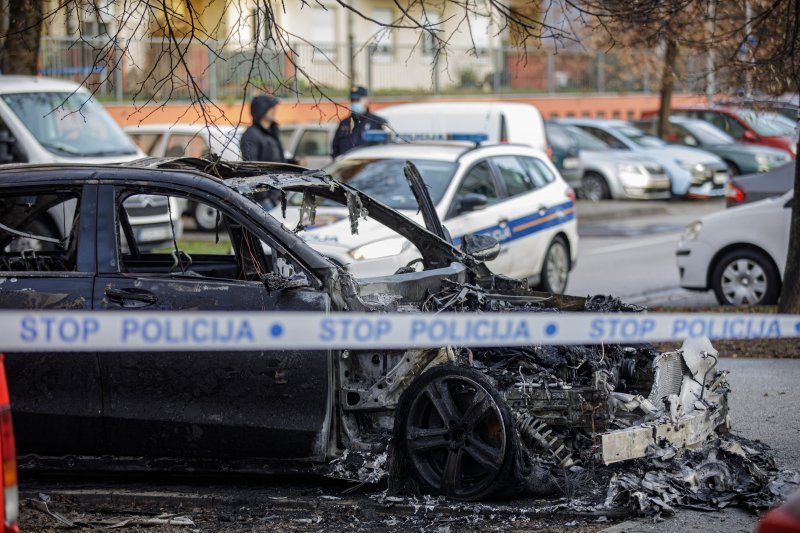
<point x="180" y="145"/>
<point x="152" y="240"/>
<point x="479" y="180"/>
<point x="313" y="142"/>
<point x="727" y="124"/>
<point x="514" y="177"/>
<point x="39" y="231"/>
<point x="538" y="172"/>
<point x="145" y="141"/>
<point x="607" y="138"/>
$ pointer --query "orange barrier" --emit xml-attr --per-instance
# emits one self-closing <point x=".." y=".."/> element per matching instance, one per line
<point x="292" y="112"/>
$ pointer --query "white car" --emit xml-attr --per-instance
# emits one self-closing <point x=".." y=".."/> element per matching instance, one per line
<point x="740" y="253"/>
<point x="188" y="140"/>
<point x="502" y="122"/>
<point x="511" y="192"/>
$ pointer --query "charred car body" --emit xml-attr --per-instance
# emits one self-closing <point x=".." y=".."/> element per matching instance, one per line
<point x="467" y="423"/>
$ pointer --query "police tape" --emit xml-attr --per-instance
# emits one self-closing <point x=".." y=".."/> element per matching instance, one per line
<point x="196" y="331"/>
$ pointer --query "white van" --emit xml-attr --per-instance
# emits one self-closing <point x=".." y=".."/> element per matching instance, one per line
<point x="55" y="121"/>
<point x="435" y="121"/>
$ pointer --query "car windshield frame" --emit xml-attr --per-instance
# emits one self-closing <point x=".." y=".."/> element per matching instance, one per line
<point x="767" y="124"/>
<point x="708" y="134"/>
<point x="638" y="137"/>
<point x="400" y="196"/>
<point x="579" y="135"/>
<point x="69" y="124"/>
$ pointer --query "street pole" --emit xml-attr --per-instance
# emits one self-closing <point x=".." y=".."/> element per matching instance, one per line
<point x="351" y="49"/>
<point x="748" y="77"/>
<point x="710" y="74"/>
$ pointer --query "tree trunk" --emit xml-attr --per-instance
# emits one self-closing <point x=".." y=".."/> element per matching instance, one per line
<point x="667" y="85"/>
<point x="790" y="294"/>
<point x="20" y="51"/>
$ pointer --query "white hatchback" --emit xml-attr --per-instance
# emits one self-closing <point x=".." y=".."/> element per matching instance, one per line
<point x="740" y="253"/>
<point x="511" y="192"/>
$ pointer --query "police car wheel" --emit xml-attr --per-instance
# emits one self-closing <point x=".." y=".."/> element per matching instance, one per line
<point x="456" y="434"/>
<point x="205" y="216"/>
<point x="746" y="277"/>
<point x="555" y="269"/>
<point x="594" y="187"/>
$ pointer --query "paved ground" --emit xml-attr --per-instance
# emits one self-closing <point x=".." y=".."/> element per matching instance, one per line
<point x="628" y="249"/>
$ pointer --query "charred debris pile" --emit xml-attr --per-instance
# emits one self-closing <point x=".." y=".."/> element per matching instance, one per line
<point x="620" y="427"/>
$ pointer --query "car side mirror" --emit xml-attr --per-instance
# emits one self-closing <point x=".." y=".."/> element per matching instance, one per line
<point x="472" y="201"/>
<point x="481" y="247"/>
<point x="750" y="136"/>
<point x="688" y="140"/>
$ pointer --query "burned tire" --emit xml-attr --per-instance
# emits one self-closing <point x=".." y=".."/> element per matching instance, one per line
<point x="456" y="434"/>
<point x="555" y="267"/>
<point x="746" y="277"/>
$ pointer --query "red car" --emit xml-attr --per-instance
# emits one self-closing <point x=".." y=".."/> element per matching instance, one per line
<point x="745" y="125"/>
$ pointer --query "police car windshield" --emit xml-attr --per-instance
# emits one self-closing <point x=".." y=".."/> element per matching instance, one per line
<point x="384" y="180"/>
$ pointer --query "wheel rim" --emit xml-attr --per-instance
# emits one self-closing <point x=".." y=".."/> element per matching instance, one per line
<point x="456" y="437"/>
<point x="206" y="217"/>
<point x="557" y="267"/>
<point x="592" y="189"/>
<point x="744" y="282"/>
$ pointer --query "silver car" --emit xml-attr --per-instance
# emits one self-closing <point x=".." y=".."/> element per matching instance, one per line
<point x="692" y="172"/>
<point x="604" y="172"/>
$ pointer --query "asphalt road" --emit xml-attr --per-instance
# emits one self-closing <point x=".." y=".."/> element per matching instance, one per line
<point x="628" y="249"/>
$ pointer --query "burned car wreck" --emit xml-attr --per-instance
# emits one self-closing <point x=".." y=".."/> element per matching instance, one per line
<point x="468" y="424"/>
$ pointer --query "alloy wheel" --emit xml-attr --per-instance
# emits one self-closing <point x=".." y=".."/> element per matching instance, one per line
<point x="557" y="268"/>
<point x="455" y="436"/>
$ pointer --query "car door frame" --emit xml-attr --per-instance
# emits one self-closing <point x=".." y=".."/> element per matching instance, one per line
<point x="109" y="260"/>
<point x="93" y="438"/>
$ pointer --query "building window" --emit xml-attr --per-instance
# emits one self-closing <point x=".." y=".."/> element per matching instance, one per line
<point x="479" y="30"/>
<point x="383" y="35"/>
<point x="323" y="22"/>
<point x="428" y="40"/>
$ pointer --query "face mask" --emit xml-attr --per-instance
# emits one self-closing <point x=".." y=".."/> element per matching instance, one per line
<point x="358" y="108"/>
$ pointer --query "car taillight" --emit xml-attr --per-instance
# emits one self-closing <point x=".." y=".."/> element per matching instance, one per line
<point x="733" y="193"/>
<point x="8" y="456"/>
<point x="570" y="192"/>
<point x="549" y="152"/>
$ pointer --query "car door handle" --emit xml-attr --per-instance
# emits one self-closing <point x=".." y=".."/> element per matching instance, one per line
<point x="503" y="222"/>
<point x="130" y="295"/>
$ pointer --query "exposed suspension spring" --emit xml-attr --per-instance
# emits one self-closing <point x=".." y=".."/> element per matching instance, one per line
<point x="536" y="433"/>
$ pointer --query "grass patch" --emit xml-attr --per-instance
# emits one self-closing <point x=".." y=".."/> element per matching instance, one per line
<point x="756" y="348"/>
<point x="198" y="246"/>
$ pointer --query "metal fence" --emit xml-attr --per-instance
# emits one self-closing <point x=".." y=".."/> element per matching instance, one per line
<point x="149" y="69"/>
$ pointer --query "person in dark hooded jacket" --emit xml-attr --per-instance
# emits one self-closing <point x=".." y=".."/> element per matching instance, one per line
<point x="261" y="141"/>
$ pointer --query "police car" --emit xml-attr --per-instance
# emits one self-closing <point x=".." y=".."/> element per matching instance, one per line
<point x="511" y="192"/>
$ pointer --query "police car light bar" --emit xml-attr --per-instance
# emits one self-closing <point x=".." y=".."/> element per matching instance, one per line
<point x="476" y="138"/>
<point x="376" y="136"/>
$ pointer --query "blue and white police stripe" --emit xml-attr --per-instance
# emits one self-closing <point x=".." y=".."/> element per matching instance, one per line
<point x="163" y="331"/>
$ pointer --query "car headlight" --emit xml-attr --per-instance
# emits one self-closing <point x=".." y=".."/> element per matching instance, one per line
<point x="632" y="174"/>
<point x="692" y="231"/>
<point x="382" y="248"/>
<point x="763" y="161"/>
